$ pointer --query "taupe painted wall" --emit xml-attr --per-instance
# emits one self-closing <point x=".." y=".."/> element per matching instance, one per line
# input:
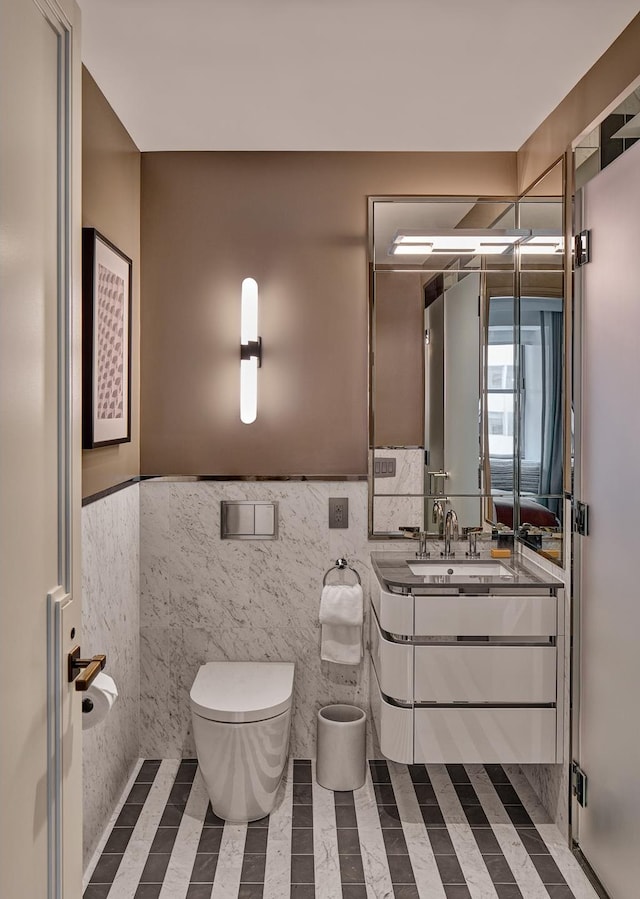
<point x="603" y="84"/>
<point x="297" y="222"/>
<point x="111" y="203"/>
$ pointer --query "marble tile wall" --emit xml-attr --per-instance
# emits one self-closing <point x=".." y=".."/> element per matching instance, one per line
<point x="111" y="587"/>
<point x="206" y="599"/>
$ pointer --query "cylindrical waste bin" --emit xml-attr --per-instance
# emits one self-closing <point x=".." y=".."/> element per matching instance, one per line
<point x="341" y="749"/>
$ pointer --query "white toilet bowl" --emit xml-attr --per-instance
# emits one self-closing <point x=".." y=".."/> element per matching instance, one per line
<point x="241" y="713"/>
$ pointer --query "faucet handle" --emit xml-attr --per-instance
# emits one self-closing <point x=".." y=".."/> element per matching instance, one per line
<point x="414" y="533"/>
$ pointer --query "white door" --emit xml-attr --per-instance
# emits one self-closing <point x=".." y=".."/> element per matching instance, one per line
<point x="40" y="731"/>
<point x="608" y="676"/>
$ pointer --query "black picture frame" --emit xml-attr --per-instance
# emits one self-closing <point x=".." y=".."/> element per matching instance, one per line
<point x="106" y="342"/>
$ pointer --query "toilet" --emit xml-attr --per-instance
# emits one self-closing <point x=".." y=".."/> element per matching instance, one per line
<point x="241" y="713"/>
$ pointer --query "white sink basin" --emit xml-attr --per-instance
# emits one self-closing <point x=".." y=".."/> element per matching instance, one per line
<point x="460" y="569"/>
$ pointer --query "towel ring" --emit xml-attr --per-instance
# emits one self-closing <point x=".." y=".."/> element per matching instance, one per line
<point x="340" y="565"/>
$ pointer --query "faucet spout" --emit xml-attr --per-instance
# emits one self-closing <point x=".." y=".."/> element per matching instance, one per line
<point x="451" y="530"/>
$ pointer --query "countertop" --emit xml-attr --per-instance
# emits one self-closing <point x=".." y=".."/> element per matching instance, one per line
<point x="392" y="570"/>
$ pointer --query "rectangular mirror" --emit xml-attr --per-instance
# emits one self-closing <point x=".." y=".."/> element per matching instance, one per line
<point x="466" y="296"/>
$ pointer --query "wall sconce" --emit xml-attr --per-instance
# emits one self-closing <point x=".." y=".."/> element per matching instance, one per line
<point x="250" y="351"/>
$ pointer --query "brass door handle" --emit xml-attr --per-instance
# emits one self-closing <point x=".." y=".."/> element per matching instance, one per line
<point x="84" y="671"/>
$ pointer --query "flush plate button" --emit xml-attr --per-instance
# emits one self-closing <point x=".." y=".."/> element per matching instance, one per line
<point x="248" y="520"/>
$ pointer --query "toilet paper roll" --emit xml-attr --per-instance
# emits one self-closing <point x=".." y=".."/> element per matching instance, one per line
<point x="101" y="695"/>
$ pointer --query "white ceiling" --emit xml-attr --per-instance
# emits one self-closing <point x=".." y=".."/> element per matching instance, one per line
<point x="342" y="74"/>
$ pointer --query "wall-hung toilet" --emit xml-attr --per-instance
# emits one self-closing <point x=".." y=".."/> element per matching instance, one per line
<point x="241" y="713"/>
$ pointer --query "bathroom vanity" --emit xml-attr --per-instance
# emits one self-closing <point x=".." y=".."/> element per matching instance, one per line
<point x="467" y="660"/>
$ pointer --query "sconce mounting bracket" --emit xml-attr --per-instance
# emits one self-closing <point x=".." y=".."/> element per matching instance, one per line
<point x="251" y="349"/>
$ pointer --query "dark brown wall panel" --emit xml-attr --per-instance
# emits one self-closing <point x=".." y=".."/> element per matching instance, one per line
<point x="297" y="222"/>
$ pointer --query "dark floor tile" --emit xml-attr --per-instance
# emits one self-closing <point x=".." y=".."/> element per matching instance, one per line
<point x="171" y="816"/>
<point x="186" y="771"/>
<point x="497" y="774"/>
<point x="148" y="771"/>
<point x="400" y="869"/>
<point x="138" y="794"/>
<point x="302" y="816"/>
<point x="257" y="839"/>
<point x="441" y="841"/>
<point x="98" y="891"/>
<point x="394" y="841"/>
<point x="212" y="820"/>
<point x="164" y="839"/>
<point x="253" y="866"/>
<point x="301" y="841"/>
<point x="302" y="869"/>
<point x="303" y="891"/>
<point x="353" y="891"/>
<point x="343" y="797"/>
<point x="476" y="816"/>
<point x="425" y="794"/>
<point x="458" y="774"/>
<point x="449" y="868"/>
<point x="509" y="891"/>
<point x="260" y="822"/>
<point x="547" y="869"/>
<point x="486" y="840"/>
<point x="128" y="816"/>
<point x="204" y="868"/>
<point x="405" y="891"/>
<point x="389" y="816"/>
<point x="302" y="794"/>
<point x="211" y="837"/>
<point x="379" y="772"/>
<point x="301" y="771"/>
<point x="251" y="891"/>
<point x="466" y="794"/>
<point x="507" y="794"/>
<point x="106" y="869"/>
<point x="148" y="891"/>
<point x="179" y="794"/>
<point x="384" y="794"/>
<point x="518" y="815"/>
<point x="432" y="816"/>
<point x="155" y="867"/>
<point x="118" y="839"/>
<point x="532" y="841"/>
<point x="456" y="891"/>
<point x="199" y="891"/>
<point x="498" y="869"/>
<point x="558" y="891"/>
<point x="351" y="870"/>
<point x="348" y="841"/>
<point x="346" y="817"/>
<point x="419" y="774"/>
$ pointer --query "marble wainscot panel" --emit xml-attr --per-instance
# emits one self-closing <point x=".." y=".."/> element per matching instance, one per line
<point x="206" y="599"/>
<point x="110" y="624"/>
<point x="394" y="511"/>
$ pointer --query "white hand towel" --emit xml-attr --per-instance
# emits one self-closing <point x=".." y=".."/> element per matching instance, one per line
<point x="341" y="616"/>
<point x="341" y="604"/>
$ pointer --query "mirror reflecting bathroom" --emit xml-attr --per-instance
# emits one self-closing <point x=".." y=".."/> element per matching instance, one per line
<point x="467" y="342"/>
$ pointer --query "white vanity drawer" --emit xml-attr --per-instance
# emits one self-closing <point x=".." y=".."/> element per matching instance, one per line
<point x="488" y="673"/>
<point x="394" y="725"/>
<point x="394" y="610"/>
<point x="485" y="615"/>
<point x="393" y="663"/>
<point x="485" y="735"/>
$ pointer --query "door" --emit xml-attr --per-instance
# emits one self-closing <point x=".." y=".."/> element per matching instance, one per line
<point x="40" y="734"/>
<point x="608" y="673"/>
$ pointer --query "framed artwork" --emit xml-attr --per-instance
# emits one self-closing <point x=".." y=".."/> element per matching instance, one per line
<point x="106" y="342"/>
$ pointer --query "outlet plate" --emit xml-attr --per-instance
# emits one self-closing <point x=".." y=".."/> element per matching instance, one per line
<point x="338" y="512"/>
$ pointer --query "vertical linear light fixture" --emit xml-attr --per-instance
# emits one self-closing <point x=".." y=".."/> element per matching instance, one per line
<point x="250" y="351"/>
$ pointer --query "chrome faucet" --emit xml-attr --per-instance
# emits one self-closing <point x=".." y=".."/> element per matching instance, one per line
<point x="450" y="530"/>
<point x="414" y="533"/>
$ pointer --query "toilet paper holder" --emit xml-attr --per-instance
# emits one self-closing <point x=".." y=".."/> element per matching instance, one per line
<point x="90" y="668"/>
